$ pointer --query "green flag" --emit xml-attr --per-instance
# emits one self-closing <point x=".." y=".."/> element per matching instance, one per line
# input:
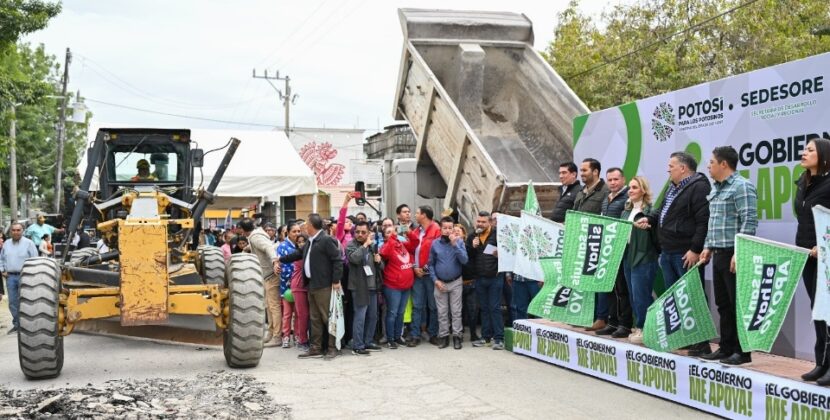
<point x="768" y="273"/>
<point x="680" y="317"/>
<point x="559" y="303"/>
<point x="531" y="202"/>
<point x="594" y="247"/>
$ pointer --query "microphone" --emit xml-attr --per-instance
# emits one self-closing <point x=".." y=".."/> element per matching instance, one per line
<point x="479" y="231"/>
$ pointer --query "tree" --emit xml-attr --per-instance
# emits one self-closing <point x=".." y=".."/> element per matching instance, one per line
<point x="20" y="17"/>
<point x="593" y="57"/>
<point x="37" y="128"/>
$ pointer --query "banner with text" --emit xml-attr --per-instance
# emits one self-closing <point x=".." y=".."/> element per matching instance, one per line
<point x="821" y="308"/>
<point x="766" y="115"/>
<point x="729" y="392"/>
<point x="559" y="303"/>
<point x="507" y="236"/>
<point x="594" y="247"/>
<point x="767" y="274"/>
<point x="538" y="238"/>
<point x="680" y="317"/>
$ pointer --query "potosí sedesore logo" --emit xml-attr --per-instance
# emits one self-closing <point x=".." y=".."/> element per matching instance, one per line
<point x="663" y="122"/>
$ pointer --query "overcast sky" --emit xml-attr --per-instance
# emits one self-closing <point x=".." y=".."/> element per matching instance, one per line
<point x="195" y="57"/>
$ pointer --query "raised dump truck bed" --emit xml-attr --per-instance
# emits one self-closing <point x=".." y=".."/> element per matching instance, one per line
<point x="488" y="112"/>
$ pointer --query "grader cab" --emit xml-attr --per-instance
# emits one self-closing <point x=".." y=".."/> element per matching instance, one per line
<point x="145" y="208"/>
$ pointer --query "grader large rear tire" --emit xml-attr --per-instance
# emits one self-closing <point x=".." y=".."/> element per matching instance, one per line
<point x="39" y="343"/>
<point x="213" y="265"/>
<point x="246" y="321"/>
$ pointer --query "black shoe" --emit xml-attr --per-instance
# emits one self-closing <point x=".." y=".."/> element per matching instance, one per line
<point x="360" y="352"/>
<point x="12" y="331"/>
<point x="737" y="359"/>
<point x="373" y="347"/>
<point x="311" y="354"/>
<point x="815" y="374"/>
<point x="456" y="343"/>
<point x="716" y="355"/>
<point x="474" y="338"/>
<point x="434" y="341"/>
<point x="608" y="330"/>
<point x="824" y="380"/>
<point x="443" y="342"/>
<point x="392" y="345"/>
<point x="400" y="341"/>
<point x="699" y="350"/>
<point x="621" y="332"/>
<point x="413" y="342"/>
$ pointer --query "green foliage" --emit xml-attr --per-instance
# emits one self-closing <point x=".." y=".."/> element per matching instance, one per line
<point x="20" y="17"/>
<point x="765" y="33"/>
<point x="37" y="121"/>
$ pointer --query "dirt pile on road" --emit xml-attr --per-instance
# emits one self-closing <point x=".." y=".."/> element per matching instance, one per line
<point x="221" y="394"/>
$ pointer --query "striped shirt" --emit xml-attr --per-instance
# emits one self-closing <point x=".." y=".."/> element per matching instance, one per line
<point x="733" y="209"/>
<point x="671" y="194"/>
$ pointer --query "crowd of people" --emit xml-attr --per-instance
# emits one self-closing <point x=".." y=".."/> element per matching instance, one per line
<point x="694" y="224"/>
<point x="415" y="278"/>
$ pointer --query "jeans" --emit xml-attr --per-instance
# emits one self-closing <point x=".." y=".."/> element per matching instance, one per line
<point x="364" y="322"/>
<point x="395" y="307"/>
<point x="523" y="293"/>
<point x="671" y="263"/>
<point x="422" y="299"/>
<point x="489" y="292"/>
<point x="13" y="283"/>
<point x="640" y="279"/>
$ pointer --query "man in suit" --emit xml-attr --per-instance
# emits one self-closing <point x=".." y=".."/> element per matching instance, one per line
<point x="322" y="270"/>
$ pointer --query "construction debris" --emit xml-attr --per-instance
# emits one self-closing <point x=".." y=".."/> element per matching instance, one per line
<point x="219" y="394"/>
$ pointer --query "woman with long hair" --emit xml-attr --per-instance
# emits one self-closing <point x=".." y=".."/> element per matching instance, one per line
<point x="813" y="188"/>
<point x="641" y="253"/>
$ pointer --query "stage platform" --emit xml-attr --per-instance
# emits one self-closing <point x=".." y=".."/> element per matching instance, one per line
<point x="769" y="388"/>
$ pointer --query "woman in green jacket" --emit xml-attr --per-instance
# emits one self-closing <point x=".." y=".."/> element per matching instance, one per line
<point x="640" y="260"/>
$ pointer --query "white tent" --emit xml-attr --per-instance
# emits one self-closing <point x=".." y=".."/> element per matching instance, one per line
<point x="264" y="168"/>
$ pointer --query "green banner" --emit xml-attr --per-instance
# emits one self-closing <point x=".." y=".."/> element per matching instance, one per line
<point x="768" y="274"/>
<point x="680" y="317"/>
<point x="594" y="247"/>
<point x="559" y="303"/>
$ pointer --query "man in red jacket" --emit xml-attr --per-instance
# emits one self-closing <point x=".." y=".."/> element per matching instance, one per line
<point x="422" y="290"/>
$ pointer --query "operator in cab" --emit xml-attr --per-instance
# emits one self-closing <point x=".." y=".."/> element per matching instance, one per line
<point x="159" y="161"/>
<point x="143" y="172"/>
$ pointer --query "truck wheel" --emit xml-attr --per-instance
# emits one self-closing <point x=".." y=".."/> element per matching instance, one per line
<point x="213" y="265"/>
<point x="246" y="320"/>
<point x="79" y="255"/>
<point x="39" y="343"/>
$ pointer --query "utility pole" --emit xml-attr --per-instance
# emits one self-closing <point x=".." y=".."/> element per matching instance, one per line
<point x="13" y="164"/>
<point x="287" y="99"/>
<point x="61" y="132"/>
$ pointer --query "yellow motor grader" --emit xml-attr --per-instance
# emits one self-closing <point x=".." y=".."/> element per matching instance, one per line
<point x="145" y="209"/>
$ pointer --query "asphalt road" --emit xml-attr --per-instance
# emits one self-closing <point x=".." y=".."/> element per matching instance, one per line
<point x="422" y="382"/>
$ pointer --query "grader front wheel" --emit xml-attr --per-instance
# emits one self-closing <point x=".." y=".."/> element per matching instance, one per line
<point x="39" y="343"/>
<point x="246" y="320"/>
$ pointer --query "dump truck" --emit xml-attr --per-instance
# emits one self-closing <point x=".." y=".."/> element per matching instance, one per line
<point x="488" y="112"/>
<point x="145" y="208"/>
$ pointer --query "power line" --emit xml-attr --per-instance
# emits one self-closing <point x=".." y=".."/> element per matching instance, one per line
<point x="193" y="117"/>
<point x="293" y="32"/>
<point x="130" y="88"/>
<point x="190" y="117"/>
<point x="322" y="27"/>
<point x="661" y="40"/>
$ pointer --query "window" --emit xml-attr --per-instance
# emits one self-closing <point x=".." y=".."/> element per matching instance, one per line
<point x="146" y="167"/>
